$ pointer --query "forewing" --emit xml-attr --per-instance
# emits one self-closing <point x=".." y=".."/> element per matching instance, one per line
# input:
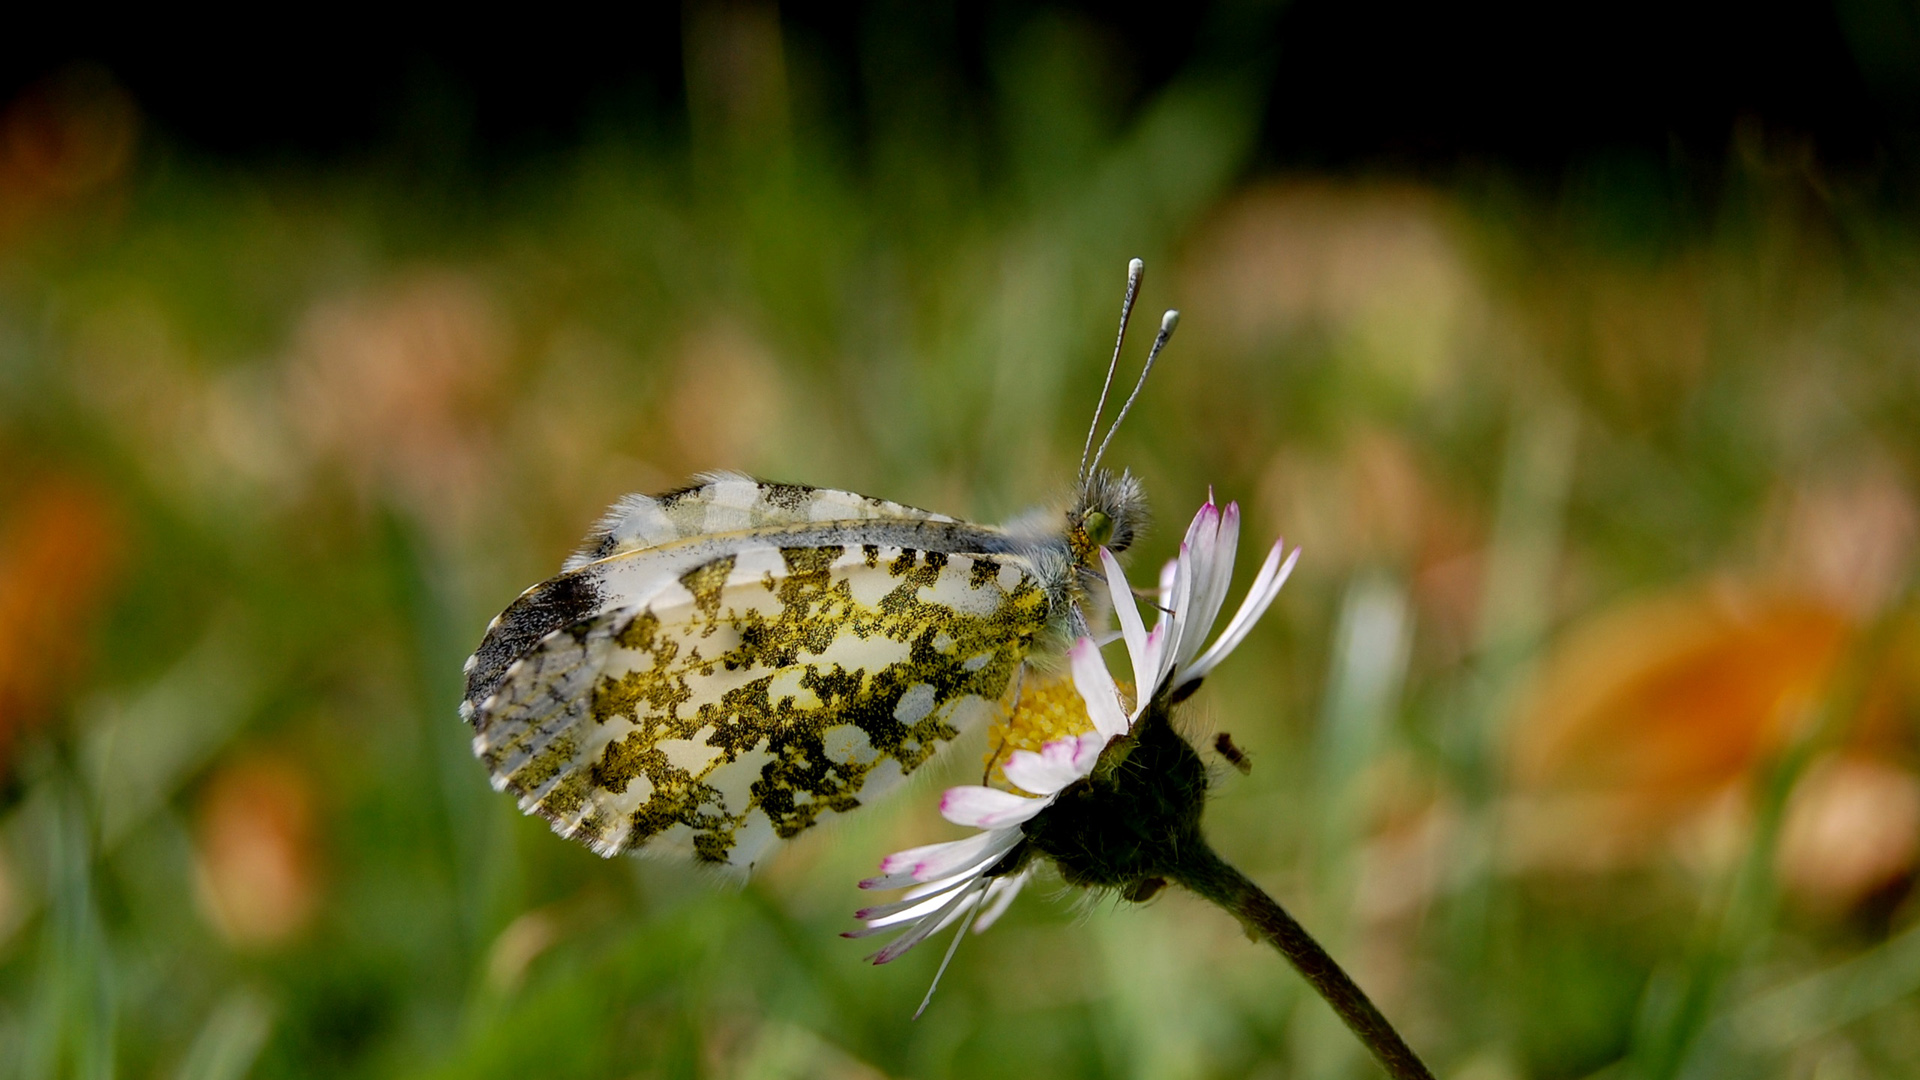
<point x="755" y="693"/>
<point x="645" y="543"/>
<point x="634" y="578"/>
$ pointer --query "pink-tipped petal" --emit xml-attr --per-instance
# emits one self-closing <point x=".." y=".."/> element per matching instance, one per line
<point x="1095" y="684"/>
<point x="900" y="861"/>
<point x="1058" y="764"/>
<point x="1212" y="579"/>
<point x="988" y="808"/>
<point x="881" y="926"/>
<point x="921" y="864"/>
<point x="1198" y="550"/>
<point x="1273" y="574"/>
<point x="1205" y="523"/>
<point x="945" y="913"/>
<point x="914" y="905"/>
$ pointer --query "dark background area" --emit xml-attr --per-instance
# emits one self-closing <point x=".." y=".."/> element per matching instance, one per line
<point x="1393" y="83"/>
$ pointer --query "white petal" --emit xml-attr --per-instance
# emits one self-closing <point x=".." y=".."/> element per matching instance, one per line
<point x="917" y="904"/>
<point x="1205" y="542"/>
<point x="1165" y="594"/>
<point x="999" y="897"/>
<point x="1212" y="579"/>
<point x="979" y="891"/>
<point x="1124" y="608"/>
<point x="1087" y="754"/>
<point x="922" y="896"/>
<point x="946" y="913"/>
<point x="938" y="885"/>
<point x="1058" y="764"/>
<point x="1095" y="684"/>
<point x="1273" y="574"/>
<point x="988" y="808"/>
<point x="1179" y="629"/>
<point x="952" y="948"/>
<point x="916" y="865"/>
<point x="1202" y="529"/>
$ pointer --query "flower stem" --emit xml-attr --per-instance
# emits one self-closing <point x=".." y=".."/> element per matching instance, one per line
<point x="1207" y="875"/>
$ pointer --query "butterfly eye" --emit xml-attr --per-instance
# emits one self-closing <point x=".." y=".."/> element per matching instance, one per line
<point x="1099" y="527"/>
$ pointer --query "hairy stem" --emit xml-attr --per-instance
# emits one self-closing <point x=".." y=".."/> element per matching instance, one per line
<point x="1205" y="874"/>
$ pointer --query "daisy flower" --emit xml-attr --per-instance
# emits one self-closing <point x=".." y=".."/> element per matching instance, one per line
<point x="976" y="878"/>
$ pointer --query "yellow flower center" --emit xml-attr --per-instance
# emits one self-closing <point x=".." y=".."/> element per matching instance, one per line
<point x="1049" y="708"/>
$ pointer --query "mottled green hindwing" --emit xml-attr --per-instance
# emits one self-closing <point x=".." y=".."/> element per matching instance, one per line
<point x="754" y="693"/>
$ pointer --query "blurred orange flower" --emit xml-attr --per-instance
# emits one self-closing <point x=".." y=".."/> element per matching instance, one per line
<point x="59" y="554"/>
<point x="1647" y="716"/>
<point x="258" y="865"/>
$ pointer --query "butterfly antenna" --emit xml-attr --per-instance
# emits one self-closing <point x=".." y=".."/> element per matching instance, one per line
<point x="1167" y="322"/>
<point x="1135" y="269"/>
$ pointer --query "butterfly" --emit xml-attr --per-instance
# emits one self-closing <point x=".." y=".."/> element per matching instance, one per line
<point x="723" y="666"/>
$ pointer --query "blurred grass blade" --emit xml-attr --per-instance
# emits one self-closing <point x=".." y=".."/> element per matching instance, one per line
<point x="138" y="751"/>
<point x="1535" y="481"/>
<point x="231" y="1039"/>
<point x="1369" y="665"/>
<point x="1364" y="685"/>
<point x="1791" y="1015"/>
<point x="72" y="1031"/>
<point x="781" y="1051"/>
<point x="470" y="814"/>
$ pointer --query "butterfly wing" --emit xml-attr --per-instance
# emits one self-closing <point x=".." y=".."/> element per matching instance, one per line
<point x="646" y="543"/>
<point x="753" y="692"/>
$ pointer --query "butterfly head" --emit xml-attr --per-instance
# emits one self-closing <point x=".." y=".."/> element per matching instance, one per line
<point x="1109" y="512"/>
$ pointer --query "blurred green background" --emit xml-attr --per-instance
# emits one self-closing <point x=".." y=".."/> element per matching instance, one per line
<point x="1585" y="732"/>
